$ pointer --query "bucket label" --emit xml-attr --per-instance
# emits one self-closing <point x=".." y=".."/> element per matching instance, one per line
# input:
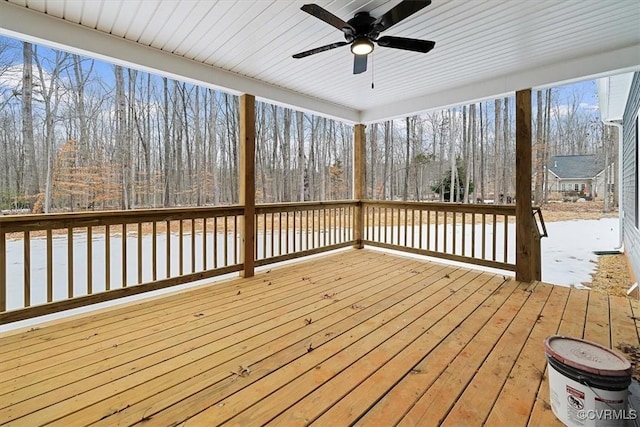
<point x="575" y="405"/>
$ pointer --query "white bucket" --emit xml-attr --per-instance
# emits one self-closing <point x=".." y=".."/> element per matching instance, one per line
<point x="588" y="383"/>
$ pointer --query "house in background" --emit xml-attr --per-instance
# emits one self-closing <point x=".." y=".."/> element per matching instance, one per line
<point x="578" y="176"/>
<point x="619" y="99"/>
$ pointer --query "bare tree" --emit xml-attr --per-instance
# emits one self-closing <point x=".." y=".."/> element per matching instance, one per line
<point x="33" y="186"/>
<point x="49" y="89"/>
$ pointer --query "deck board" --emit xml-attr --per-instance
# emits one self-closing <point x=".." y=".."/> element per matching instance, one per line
<point x="571" y="324"/>
<point x="514" y="404"/>
<point x="360" y="336"/>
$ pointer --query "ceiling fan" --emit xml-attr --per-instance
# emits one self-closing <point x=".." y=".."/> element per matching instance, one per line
<point x="363" y="29"/>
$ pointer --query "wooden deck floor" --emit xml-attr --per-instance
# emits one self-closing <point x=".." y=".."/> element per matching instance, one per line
<point x="357" y="337"/>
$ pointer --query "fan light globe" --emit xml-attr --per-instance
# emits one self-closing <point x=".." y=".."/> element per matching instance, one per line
<point x="362" y="46"/>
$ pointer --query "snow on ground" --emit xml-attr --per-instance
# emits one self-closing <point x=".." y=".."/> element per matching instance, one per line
<point x="567" y="259"/>
<point x="567" y="254"/>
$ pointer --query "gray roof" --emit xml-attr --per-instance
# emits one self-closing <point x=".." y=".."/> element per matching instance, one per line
<point x="576" y="167"/>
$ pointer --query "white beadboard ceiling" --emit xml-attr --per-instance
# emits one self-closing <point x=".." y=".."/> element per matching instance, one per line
<point x="484" y="48"/>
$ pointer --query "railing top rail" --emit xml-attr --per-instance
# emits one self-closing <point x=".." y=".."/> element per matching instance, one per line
<point x="284" y="207"/>
<point x="13" y="223"/>
<point x="447" y="207"/>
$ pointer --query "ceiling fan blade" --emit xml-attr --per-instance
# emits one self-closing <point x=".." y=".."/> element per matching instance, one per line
<point x="398" y="13"/>
<point x="328" y="17"/>
<point x="414" y="45"/>
<point x="359" y="64"/>
<point x="319" y="49"/>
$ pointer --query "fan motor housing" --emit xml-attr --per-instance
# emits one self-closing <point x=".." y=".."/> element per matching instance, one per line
<point x="362" y="22"/>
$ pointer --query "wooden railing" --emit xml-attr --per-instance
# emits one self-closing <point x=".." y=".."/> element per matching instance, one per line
<point x="291" y="230"/>
<point x="50" y="263"/>
<point x="476" y="234"/>
<point x="71" y="260"/>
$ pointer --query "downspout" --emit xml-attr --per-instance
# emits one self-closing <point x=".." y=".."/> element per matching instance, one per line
<point x="619" y="189"/>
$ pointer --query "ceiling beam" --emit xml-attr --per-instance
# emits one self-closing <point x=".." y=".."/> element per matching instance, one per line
<point x="589" y="67"/>
<point x="36" y="27"/>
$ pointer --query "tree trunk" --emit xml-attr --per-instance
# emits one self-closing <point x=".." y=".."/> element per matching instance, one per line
<point x="301" y="168"/>
<point x="407" y="161"/>
<point x="387" y="152"/>
<point x="471" y="153"/>
<point x="167" y="149"/>
<point x="373" y="149"/>
<point x="452" y="155"/>
<point x="497" y="186"/>
<point x="483" y="173"/>
<point x="546" y="136"/>
<point x="121" y="135"/>
<point x="505" y="151"/>
<point x="33" y="186"/>
<point x="539" y="151"/>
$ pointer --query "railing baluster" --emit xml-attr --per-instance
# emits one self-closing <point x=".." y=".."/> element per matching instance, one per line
<point x="215" y="242"/>
<point x="406" y="214"/>
<point x="334" y="216"/>
<point x="428" y="229"/>
<point x="437" y="231"/>
<point x="454" y="233"/>
<point x="473" y="235"/>
<point x="89" y="260"/>
<point x="70" y="262"/>
<point x="322" y="225"/>
<point x="366" y="222"/>
<point x="385" y="224"/>
<point x="3" y="271"/>
<point x="300" y="237"/>
<point x="293" y="234"/>
<point x="464" y="234"/>
<point x="139" y="253"/>
<point x="506" y="236"/>
<point x="313" y="228"/>
<point x="226" y="240"/>
<point x="483" y="238"/>
<point x="494" y="238"/>
<point x="327" y="226"/>
<point x="107" y="256"/>
<point x="308" y="230"/>
<point x="279" y="233"/>
<point x="124" y="255"/>
<point x="264" y="236"/>
<point x="193" y="245"/>
<point x="180" y="247"/>
<point x="27" y="269"/>
<point x="392" y="229"/>
<point x="420" y="228"/>
<point x="444" y="231"/>
<point x="235" y="239"/>
<point x="154" y="251"/>
<point x="273" y="234"/>
<point x="204" y="243"/>
<point x="343" y="222"/>
<point x="286" y="232"/>
<point x="256" y="228"/>
<point x="168" y="249"/>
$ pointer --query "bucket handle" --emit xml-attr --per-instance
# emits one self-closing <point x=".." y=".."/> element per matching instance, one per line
<point x="583" y="380"/>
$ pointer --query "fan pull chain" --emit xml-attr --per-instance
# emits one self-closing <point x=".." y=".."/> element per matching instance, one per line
<point x="372" y="85"/>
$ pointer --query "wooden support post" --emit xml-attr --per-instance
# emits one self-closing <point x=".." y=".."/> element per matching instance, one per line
<point x="247" y="182"/>
<point x="525" y="268"/>
<point x="359" y="182"/>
